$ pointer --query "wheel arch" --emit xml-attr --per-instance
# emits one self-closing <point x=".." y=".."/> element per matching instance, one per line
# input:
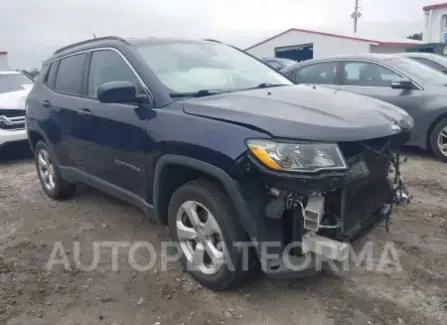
<point x="433" y="125"/>
<point x="34" y="137"/>
<point x="192" y="169"/>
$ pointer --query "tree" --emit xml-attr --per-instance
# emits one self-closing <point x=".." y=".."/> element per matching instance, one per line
<point x="417" y="37"/>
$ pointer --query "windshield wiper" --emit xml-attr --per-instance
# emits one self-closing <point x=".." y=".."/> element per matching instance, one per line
<point x="266" y="85"/>
<point x="199" y="93"/>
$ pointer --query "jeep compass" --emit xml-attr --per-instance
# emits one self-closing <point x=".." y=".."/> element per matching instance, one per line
<point x="220" y="147"/>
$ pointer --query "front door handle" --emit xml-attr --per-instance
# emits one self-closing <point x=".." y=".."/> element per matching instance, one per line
<point x="85" y="112"/>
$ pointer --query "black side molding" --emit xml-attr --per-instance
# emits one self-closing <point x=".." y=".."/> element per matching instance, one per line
<point x="229" y="184"/>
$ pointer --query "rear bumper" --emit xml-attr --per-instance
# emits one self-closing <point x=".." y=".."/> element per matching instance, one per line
<point x="10" y="136"/>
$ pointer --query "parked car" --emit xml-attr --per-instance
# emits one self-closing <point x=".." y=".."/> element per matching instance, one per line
<point x="278" y="63"/>
<point x="432" y="60"/>
<point x="418" y="89"/>
<point x="14" y="87"/>
<point x="219" y="146"/>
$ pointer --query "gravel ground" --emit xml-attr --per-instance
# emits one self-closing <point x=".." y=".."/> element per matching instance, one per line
<point x="30" y="224"/>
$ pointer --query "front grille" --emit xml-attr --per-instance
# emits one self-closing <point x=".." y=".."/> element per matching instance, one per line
<point x="12" y="112"/>
<point x="352" y="149"/>
<point x="12" y="119"/>
<point x="359" y="207"/>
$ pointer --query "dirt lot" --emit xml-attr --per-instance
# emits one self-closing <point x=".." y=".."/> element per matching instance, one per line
<point x="30" y="223"/>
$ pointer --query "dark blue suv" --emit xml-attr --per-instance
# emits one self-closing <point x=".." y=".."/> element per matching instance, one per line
<point x="246" y="168"/>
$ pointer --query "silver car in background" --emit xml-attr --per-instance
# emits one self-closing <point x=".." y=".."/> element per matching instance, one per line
<point x="432" y="60"/>
<point x="413" y="86"/>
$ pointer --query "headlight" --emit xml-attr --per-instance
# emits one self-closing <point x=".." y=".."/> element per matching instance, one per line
<point x="299" y="157"/>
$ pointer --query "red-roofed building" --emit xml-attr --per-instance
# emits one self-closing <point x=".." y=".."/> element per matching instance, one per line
<point x="435" y="29"/>
<point x="302" y="44"/>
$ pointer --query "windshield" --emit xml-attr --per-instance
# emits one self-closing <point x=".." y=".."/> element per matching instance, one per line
<point x="14" y="82"/>
<point x="419" y="71"/>
<point x="187" y="67"/>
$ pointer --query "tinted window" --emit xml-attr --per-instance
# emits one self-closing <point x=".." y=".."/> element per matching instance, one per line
<point x="429" y="63"/>
<point x="70" y="75"/>
<point x="322" y="73"/>
<point x="367" y="74"/>
<point x="14" y="82"/>
<point x="107" y="66"/>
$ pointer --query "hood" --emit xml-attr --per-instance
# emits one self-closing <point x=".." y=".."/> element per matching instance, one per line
<point x="304" y="112"/>
<point x="14" y="99"/>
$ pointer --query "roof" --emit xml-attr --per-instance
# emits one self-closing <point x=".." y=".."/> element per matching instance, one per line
<point x="436" y="6"/>
<point x="389" y="42"/>
<point x="419" y="54"/>
<point x="373" y="57"/>
<point x="115" y="41"/>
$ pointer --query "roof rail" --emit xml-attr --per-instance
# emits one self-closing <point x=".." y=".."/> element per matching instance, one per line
<point x="97" y="39"/>
<point x="211" y="40"/>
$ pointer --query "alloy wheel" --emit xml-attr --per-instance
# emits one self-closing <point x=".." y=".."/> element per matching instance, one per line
<point x="200" y="237"/>
<point x="46" y="169"/>
<point x="442" y="141"/>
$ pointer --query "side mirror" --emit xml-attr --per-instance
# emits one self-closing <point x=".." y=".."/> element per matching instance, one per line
<point x="402" y="84"/>
<point x="119" y="92"/>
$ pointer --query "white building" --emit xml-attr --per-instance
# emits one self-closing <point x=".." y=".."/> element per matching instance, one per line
<point x="302" y="44"/>
<point x="4" y="64"/>
<point x="435" y="29"/>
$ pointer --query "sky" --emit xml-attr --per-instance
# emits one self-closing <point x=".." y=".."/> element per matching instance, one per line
<point x="30" y="30"/>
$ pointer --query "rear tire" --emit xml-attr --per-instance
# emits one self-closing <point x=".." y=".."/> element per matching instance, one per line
<point x="438" y="138"/>
<point x="52" y="182"/>
<point x="208" y="200"/>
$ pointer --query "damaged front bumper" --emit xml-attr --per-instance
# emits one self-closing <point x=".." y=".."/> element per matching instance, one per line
<point x="315" y="217"/>
<point x="316" y="238"/>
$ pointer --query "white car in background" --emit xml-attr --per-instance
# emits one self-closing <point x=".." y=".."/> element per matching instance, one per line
<point x="14" y="89"/>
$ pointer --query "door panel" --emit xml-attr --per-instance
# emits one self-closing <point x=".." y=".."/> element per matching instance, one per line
<point x="65" y="101"/>
<point x="121" y="143"/>
<point x="373" y="80"/>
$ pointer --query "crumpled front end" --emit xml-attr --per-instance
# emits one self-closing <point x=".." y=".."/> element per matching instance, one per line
<point x="301" y="217"/>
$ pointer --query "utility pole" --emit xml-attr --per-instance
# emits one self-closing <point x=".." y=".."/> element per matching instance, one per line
<point x="356" y="14"/>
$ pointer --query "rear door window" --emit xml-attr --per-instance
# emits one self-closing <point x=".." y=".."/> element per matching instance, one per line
<point x="70" y="75"/>
<point x="321" y="73"/>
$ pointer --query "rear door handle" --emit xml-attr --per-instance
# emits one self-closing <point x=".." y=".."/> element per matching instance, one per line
<point x="46" y="103"/>
<point x="85" y="112"/>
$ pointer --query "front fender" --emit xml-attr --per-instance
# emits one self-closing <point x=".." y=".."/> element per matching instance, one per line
<point x="424" y="124"/>
<point x="230" y="185"/>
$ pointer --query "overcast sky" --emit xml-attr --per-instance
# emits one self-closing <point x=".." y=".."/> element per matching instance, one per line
<point x="31" y="29"/>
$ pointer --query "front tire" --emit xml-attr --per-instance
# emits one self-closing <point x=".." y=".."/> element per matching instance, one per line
<point x="203" y="221"/>
<point x="52" y="182"/>
<point x="438" y="140"/>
